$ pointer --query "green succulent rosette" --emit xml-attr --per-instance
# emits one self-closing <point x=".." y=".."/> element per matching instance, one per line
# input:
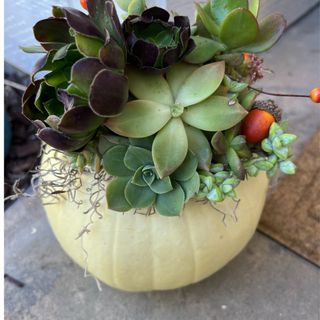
<point x="136" y="183"/>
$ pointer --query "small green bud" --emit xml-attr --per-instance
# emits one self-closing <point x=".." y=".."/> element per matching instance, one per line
<point x="276" y="143"/>
<point x="287" y="139"/>
<point x="287" y="167"/>
<point x="207" y="181"/>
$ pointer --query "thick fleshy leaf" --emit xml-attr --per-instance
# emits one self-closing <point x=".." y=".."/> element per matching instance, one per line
<point x="199" y="146"/>
<point x="145" y="53"/>
<point x="170" y="147"/>
<point x="214" y="114"/>
<point x="149" y="174"/>
<point x="234" y="86"/>
<point x="81" y="23"/>
<point x="140" y="119"/>
<point x="58" y="78"/>
<point x="104" y="16"/>
<point x="59" y="141"/>
<point x="207" y="19"/>
<point x="88" y="46"/>
<point x="145" y="143"/>
<point x="221" y="8"/>
<point x="148" y="86"/>
<point x="219" y="143"/>
<point x="191" y="186"/>
<point x="187" y="169"/>
<point x="139" y="197"/>
<point x="254" y="6"/>
<point x="52" y="30"/>
<point x="271" y="29"/>
<point x="201" y="84"/>
<point x="116" y="199"/>
<point x="205" y="49"/>
<point x="112" y="56"/>
<point x="239" y="28"/>
<point x="62" y="52"/>
<point x="161" y="186"/>
<point x="82" y="74"/>
<point x="288" y="167"/>
<point x="113" y="162"/>
<point x="232" y="59"/>
<point x="137" y="157"/>
<point x="79" y="120"/>
<point x="235" y="164"/>
<point x="33" y="49"/>
<point x="136" y="7"/>
<point x="123" y="4"/>
<point x="247" y="98"/>
<point x="177" y="75"/>
<point x="137" y="178"/>
<point x="108" y="93"/>
<point x="171" y="203"/>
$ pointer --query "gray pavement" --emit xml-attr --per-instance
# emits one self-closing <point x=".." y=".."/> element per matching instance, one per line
<point x="265" y="282"/>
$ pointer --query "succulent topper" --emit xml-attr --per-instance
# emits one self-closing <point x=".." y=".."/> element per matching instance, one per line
<point x="166" y="109"/>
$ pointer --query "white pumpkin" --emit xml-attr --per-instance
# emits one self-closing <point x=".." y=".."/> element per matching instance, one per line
<point x="134" y="252"/>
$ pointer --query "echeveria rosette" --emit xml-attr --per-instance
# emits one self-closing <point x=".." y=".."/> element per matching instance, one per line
<point x="231" y="26"/>
<point x="231" y="149"/>
<point x="154" y="42"/>
<point x="136" y="183"/>
<point x="277" y="148"/>
<point x="177" y="109"/>
<point x="218" y="184"/>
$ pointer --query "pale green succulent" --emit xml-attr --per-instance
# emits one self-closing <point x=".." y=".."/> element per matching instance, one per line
<point x="278" y="148"/>
<point x="217" y="184"/>
<point x="176" y="108"/>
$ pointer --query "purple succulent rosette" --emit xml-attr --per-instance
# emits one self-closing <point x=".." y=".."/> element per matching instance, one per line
<point x="154" y="42"/>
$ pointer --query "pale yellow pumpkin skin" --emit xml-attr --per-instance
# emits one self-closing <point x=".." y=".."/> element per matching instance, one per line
<point x="133" y="252"/>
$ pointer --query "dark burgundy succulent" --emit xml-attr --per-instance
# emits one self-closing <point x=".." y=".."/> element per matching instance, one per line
<point x="154" y="42"/>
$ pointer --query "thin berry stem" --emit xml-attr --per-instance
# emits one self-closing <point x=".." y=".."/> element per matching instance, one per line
<point x="279" y="94"/>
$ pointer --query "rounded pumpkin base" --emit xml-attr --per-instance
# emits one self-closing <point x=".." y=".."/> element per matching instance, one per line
<point x="136" y="253"/>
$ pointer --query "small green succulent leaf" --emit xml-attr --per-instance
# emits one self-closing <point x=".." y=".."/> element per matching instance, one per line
<point x="136" y="157"/>
<point x="58" y="78"/>
<point x="221" y="8"/>
<point x="105" y="143"/>
<point x="137" y="178"/>
<point x="61" y="53"/>
<point x="191" y="186"/>
<point x="170" y="147"/>
<point x="139" y="197"/>
<point x="214" y="114"/>
<point x="207" y="20"/>
<point x="254" y="6"/>
<point x="248" y="98"/>
<point x="177" y="75"/>
<point x="136" y="7"/>
<point x="149" y="86"/>
<point x="282" y="153"/>
<point x="264" y="165"/>
<point x="123" y="4"/>
<point x="201" y="84"/>
<point x="205" y="49"/>
<point x="252" y="171"/>
<point x="266" y="146"/>
<point x="239" y="28"/>
<point x="187" y="169"/>
<point x="287" y="167"/>
<point x="113" y="162"/>
<point x="238" y="142"/>
<point x="234" y="86"/>
<point x="217" y="167"/>
<point x="287" y="139"/>
<point x="33" y="49"/>
<point x="140" y="119"/>
<point x="160" y="186"/>
<point x="199" y="146"/>
<point x="116" y="199"/>
<point x="273" y="171"/>
<point x="271" y="29"/>
<point x="232" y="59"/>
<point x="88" y="46"/>
<point x="235" y="164"/>
<point x="215" y="194"/>
<point x="171" y="203"/>
<point x="275" y="131"/>
<point x="145" y="143"/>
<point x="149" y="174"/>
<point x="219" y="143"/>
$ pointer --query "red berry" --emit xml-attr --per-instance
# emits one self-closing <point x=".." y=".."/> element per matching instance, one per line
<point x="315" y="95"/>
<point x="256" y="125"/>
<point x="84" y="4"/>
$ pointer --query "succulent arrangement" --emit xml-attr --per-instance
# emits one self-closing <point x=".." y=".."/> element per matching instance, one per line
<point x="167" y="109"/>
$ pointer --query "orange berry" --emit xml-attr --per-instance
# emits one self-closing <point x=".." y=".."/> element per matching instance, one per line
<point x="84" y="4"/>
<point x="246" y="56"/>
<point x="315" y="95"/>
<point x="256" y="125"/>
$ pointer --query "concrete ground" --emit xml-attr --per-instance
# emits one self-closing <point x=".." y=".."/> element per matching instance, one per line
<point x="265" y="282"/>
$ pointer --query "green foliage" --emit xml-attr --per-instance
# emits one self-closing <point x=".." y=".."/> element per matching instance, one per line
<point x="277" y="148"/>
<point x="136" y="183"/>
